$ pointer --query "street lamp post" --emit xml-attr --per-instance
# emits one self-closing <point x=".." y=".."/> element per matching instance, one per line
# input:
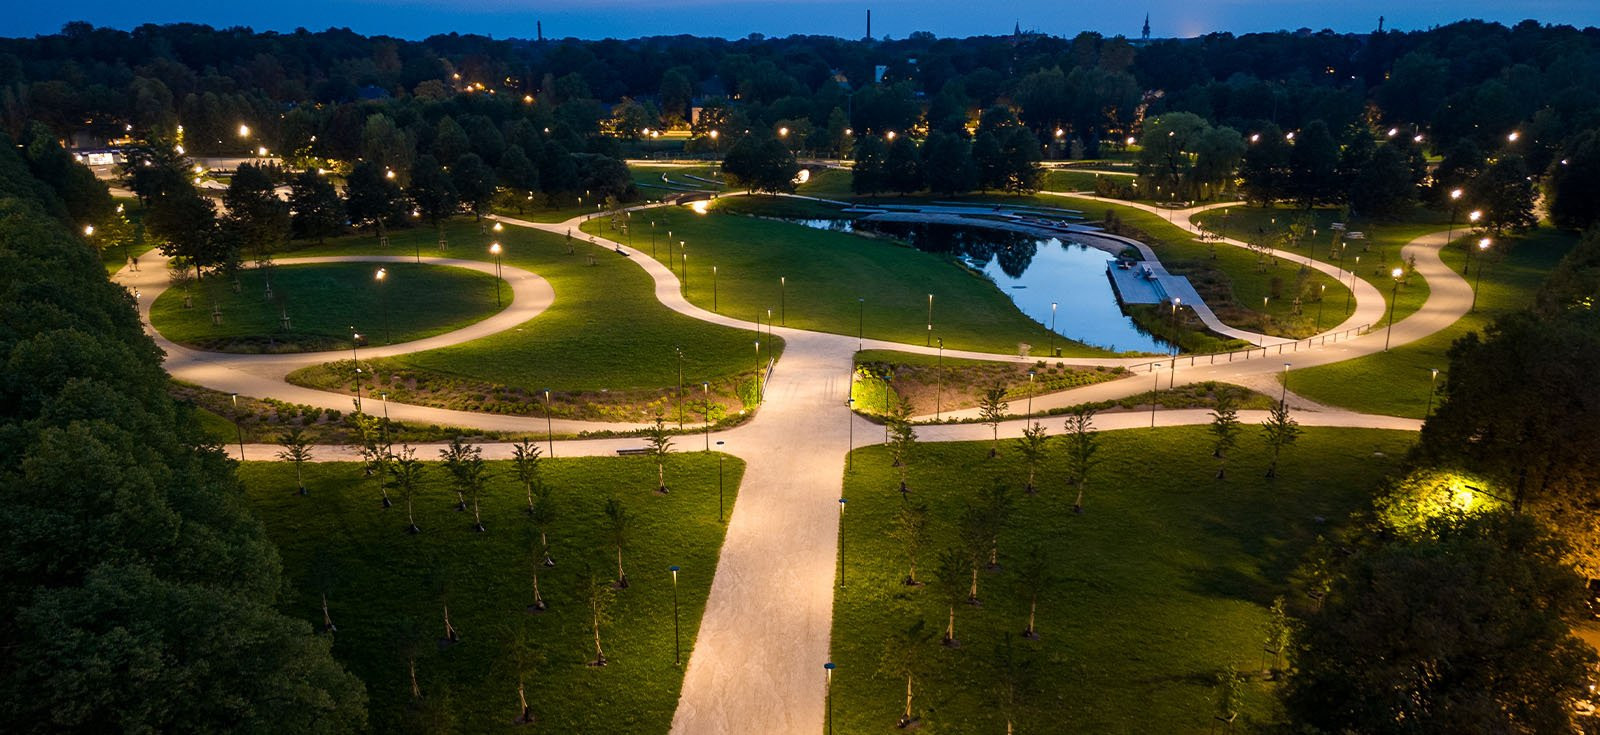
<point x="861" y="323"/>
<point x="684" y="261"/>
<point x="549" y="428"/>
<point x="720" y="457"/>
<point x="938" y="389"/>
<point x="1433" y="387"/>
<point x="1284" y="396"/>
<point x="679" y="350"/>
<point x="677" y="644"/>
<point x="849" y="458"/>
<point x="1483" y="247"/>
<point x="1322" y="291"/>
<point x="713" y="288"/>
<point x="1393" y="293"/>
<point x="758" y="372"/>
<point x="1030" y="393"/>
<point x="383" y="303"/>
<point x="841" y="542"/>
<point x="236" y="426"/>
<point x="1052" y="329"/>
<point x="930" y="321"/>
<point x="494" y="248"/>
<point x="705" y="395"/>
<point x="652" y="238"/>
<point x="828" y="686"/>
<point x="355" y="342"/>
<point x="1455" y="196"/>
<point x="783" y="302"/>
<point x="1155" y="367"/>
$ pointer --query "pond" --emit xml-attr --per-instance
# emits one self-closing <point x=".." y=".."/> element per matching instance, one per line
<point x="1034" y="272"/>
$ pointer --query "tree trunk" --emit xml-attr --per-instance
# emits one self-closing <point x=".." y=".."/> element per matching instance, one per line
<point x="538" y="600"/>
<point x="1077" y="505"/>
<point x="461" y="501"/>
<point x="298" y="479"/>
<point x="972" y="594"/>
<point x="546" y="544"/>
<point x="950" y="627"/>
<point x="522" y="699"/>
<point x="1033" y="607"/>
<point x="599" y="655"/>
<point x="477" y="520"/>
<point x="416" y="691"/>
<point x="529" y="488"/>
<point x="907" y="718"/>
<point x="412" y="527"/>
<point x="622" y="577"/>
<point x="327" y="620"/>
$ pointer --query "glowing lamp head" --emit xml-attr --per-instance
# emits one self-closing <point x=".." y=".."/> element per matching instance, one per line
<point x="88" y="229"/>
<point x="1512" y="136"/>
<point x="494" y="248"/>
<point x="1455" y="193"/>
<point x="1255" y="137"/>
<point x="388" y="174"/>
<point x="783" y="132"/>
<point x="244" y="131"/>
<point x="1393" y="132"/>
<point x="1484" y="243"/>
<point x="498" y="227"/>
<point x="262" y="151"/>
<point x="1396" y="273"/>
<point x="713" y="135"/>
<point x="1131" y="140"/>
<point x="1475" y="215"/>
<point x="889" y="135"/>
<point x="381" y="274"/>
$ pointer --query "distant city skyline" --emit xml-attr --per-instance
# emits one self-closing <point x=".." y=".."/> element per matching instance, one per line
<point x="595" y="19"/>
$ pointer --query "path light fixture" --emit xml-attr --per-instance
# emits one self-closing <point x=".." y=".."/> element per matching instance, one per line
<point x="1483" y="252"/>
<point x="705" y="391"/>
<point x="1155" y="367"/>
<point x="783" y="302"/>
<point x="549" y="427"/>
<point x="849" y="455"/>
<point x="236" y="427"/>
<point x="1393" y="292"/>
<point x="677" y="645"/>
<point x="930" y="321"/>
<point x="842" y="502"/>
<point x="861" y="323"/>
<point x="679" y="351"/>
<point x="1284" y="396"/>
<point x="1455" y="197"/>
<point x="713" y="289"/>
<point x="494" y="247"/>
<point x="938" y="388"/>
<point x="758" y="372"/>
<point x="1322" y="291"/>
<point x="355" y="360"/>
<point x="1030" y="393"/>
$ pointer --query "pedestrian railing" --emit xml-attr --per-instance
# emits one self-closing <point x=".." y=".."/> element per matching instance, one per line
<point x="1282" y="348"/>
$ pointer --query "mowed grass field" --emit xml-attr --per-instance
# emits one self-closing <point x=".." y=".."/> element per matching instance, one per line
<point x="1164" y="580"/>
<point x="832" y="282"/>
<point x="323" y="301"/>
<point x="386" y="589"/>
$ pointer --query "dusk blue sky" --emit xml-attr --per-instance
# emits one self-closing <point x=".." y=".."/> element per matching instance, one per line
<point x="737" y="18"/>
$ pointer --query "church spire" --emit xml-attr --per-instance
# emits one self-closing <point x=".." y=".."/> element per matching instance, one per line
<point x="1146" y="34"/>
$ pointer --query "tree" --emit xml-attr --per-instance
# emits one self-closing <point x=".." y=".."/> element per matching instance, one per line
<point x="1383" y="188"/>
<point x="317" y="211"/>
<point x="1083" y="441"/>
<point x="543" y="513"/>
<point x="1014" y="678"/>
<point x="995" y="513"/>
<point x="465" y="464"/>
<point x="1505" y="195"/>
<point x="1230" y="696"/>
<point x="1020" y="152"/>
<point x="902" y="656"/>
<point x="992" y="407"/>
<point x="523" y="657"/>
<point x="1464" y="627"/>
<point x="296" y="449"/>
<point x="1265" y="169"/>
<point x="988" y="159"/>
<point x="374" y="449"/>
<point x="1033" y="576"/>
<point x="1314" y="166"/>
<point x="761" y="164"/>
<point x="1573" y="182"/>
<point x="256" y="218"/>
<point x="186" y="225"/>
<point x="1279" y="629"/>
<point x="950" y="577"/>
<point x="1165" y="157"/>
<point x="911" y="530"/>
<point x="870" y="174"/>
<point x="659" y="442"/>
<point x="475" y="183"/>
<point x="902" y="439"/>
<point x="433" y="192"/>
<point x="1280" y="430"/>
<point x="947" y="164"/>
<point x="525" y="465"/>
<point x="372" y="198"/>
<point x="1034" y="446"/>
<point x="1225" y="430"/>
<point x="903" y="166"/>
<point x="405" y="474"/>
<point x="598" y="597"/>
<point x="618" y="527"/>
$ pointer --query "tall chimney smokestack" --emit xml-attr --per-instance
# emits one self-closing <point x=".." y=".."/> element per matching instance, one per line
<point x="869" y="24"/>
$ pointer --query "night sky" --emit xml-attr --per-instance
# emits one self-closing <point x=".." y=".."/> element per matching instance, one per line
<point x="737" y="18"/>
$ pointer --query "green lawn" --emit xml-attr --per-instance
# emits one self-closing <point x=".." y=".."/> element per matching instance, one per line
<point x="1062" y="179"/>
<point x="1378" y="255"/>
<point x="323" y="301"/>
<point x="606" y="347"/>
<point x="918" y="379"/>
<point x="1163" y="580"/>
<point x="648" y="179"/>
<point x="386" y="589"/>
<point x="828" y="183"/>
<point x="827" y="272"/>
<point x="1398" y="382"/>
<point x="115" y="256"/>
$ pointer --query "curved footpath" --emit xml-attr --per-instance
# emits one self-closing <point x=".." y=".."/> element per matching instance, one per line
<point x="756" y="664"/>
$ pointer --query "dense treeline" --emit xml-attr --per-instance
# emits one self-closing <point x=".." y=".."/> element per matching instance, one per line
<point x="141" y="592"/>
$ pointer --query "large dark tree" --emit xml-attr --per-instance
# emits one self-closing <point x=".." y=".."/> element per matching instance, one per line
<point x="141" y="595"/>
<point x="947" y="163"/>
<point x="1314" y="166"/>
<point x="433" y="193"/>
<point x="1573" y="183"/>
<point x="1265" y="169"/>
<point x="871" y="174"/>
<point x="372" y="198"/>
<point x="475" y="182"/>
<point x="1465" y="628"/>
<point x="1381" y="187"/>
<point x="317" y="210"/>
<point x="1505" y="194"/>
<point x="761" y="164"/>
<point x="902" y="167"/>
<point x="255" y="217"/>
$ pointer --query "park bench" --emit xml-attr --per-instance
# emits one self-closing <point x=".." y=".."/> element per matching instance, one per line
<point x="633" y="451"/>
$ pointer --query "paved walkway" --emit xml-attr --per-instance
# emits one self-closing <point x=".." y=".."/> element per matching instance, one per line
<point x="756" y="665"/>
